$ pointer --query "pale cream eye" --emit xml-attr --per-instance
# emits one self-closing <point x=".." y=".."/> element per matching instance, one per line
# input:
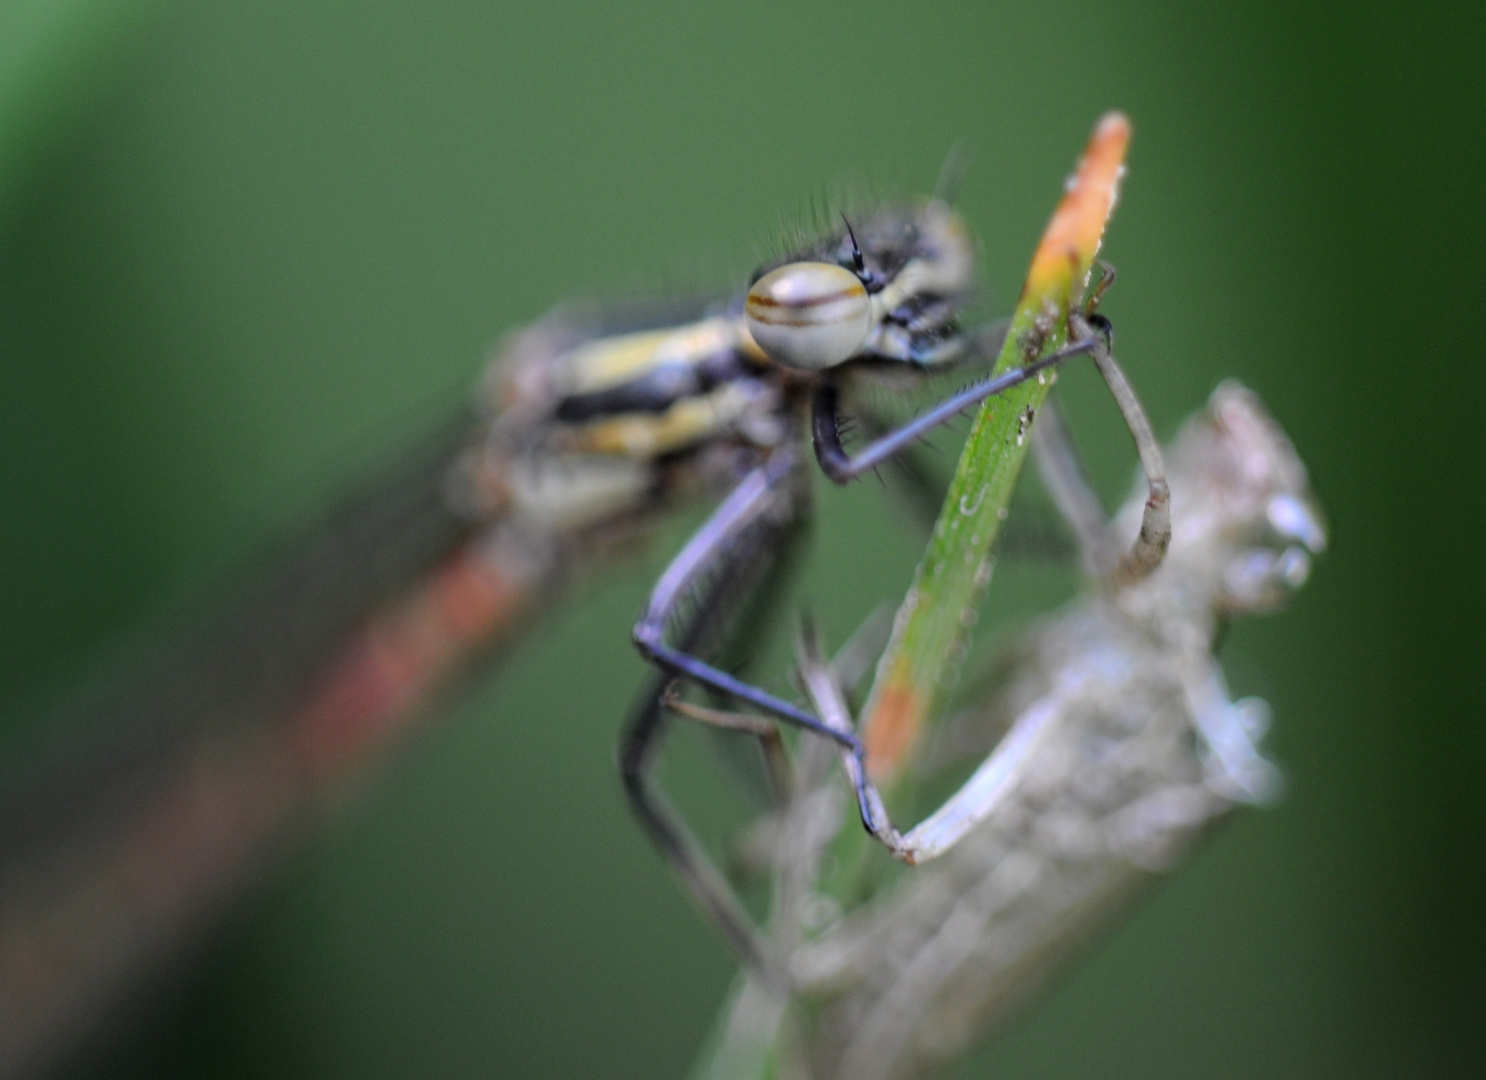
<point x="809" y="315"/>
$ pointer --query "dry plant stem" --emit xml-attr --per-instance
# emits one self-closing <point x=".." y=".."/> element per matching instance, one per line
<point x="1118" y="791"/>
<point x="953" y="950"/>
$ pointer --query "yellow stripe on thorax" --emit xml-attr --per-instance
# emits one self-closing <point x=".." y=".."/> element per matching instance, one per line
<point x="612" y="361"/>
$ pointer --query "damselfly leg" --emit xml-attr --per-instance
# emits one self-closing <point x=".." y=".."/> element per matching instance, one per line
<point x="731" y="562"/>
<point x="759" y="501"/>
<point x="843" y="468"/>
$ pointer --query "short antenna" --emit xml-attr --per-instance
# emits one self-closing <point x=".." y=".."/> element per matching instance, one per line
<point x="856" y="249"/>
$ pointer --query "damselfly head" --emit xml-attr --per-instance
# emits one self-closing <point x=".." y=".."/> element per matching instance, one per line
<point x="860" y="290"/>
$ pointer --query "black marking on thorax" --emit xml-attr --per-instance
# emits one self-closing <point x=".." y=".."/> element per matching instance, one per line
<point x="656" y="390"/>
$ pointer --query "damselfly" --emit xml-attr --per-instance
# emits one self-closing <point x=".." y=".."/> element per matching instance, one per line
<point x="1112" y="746"/>
<point x="592" y="424"/>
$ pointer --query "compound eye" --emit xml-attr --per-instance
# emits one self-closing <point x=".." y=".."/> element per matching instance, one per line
<point x="809" y="315"/>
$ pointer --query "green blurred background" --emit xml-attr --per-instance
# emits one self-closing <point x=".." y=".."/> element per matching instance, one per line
<point x="247" y="250"/>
